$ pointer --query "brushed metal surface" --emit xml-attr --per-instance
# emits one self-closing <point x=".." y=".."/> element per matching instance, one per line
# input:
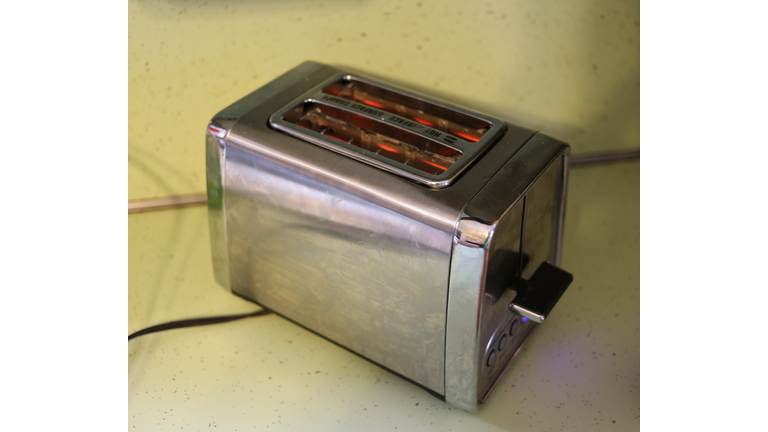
<point x="422" y="220"/>
<point x="340" y="265"/>
<point x="347" y="250"/>
<point x="300" y="183"/>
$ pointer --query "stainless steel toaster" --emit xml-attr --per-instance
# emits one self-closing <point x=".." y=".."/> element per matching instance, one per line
<point x="421" y="236"/>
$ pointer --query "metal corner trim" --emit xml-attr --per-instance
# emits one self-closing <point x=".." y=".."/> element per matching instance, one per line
<point x="215" y="151"/>
<point x="465" y="290"/>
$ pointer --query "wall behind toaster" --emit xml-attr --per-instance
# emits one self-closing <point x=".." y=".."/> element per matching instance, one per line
<point x="571" y="68"/>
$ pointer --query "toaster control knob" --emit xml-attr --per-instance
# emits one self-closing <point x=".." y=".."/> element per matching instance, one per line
<point x="491" y="358"/>
<point x="536" y="297"/>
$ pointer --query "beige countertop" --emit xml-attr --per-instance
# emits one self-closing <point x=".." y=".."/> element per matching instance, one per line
<point x="580" y="370"/>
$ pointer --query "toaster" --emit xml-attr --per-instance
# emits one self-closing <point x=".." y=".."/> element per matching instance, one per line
<point x="420" y="235"/>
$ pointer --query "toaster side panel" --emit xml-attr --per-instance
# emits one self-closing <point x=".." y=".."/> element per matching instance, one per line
<point x="512" y="225"/>
<point x="366" y="277"/>
<point x="543" y="203"/>
<point x="522" y="240"/>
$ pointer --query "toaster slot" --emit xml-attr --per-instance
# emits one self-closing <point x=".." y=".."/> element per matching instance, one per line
<point x="453" y="122"/>
<point x="384" y="140"/>
<point x="424" y="140"/>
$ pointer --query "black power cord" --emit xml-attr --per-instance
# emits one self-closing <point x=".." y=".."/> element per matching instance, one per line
<point x="196" y="322"/>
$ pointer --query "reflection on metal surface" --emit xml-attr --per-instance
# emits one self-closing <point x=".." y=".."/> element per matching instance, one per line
<point x="461" y="342"/>
<point x="345" y="267"/>
<point x="472" y="233"/>
<point x="579" y="160"/>
<point x="542" y="205"/>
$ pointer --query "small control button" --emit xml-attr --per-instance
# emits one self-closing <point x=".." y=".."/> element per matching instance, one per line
<point x="491" y="358"/>
<point x="513" y="328"/>
<point x="502" y="342"/>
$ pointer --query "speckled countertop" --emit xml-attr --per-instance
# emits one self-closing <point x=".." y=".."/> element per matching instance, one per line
<point x="580" y="371"/>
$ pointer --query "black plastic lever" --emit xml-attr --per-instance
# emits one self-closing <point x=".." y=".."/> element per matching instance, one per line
<point x="536" y="297"/>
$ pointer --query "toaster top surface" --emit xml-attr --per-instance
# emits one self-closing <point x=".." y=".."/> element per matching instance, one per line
<point x="252" y="122"/>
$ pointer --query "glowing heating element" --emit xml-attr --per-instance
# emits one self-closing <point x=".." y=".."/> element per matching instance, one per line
<point x="446" y="120"/>
<point x="418" y="138"/>
<point x="379" y="138"/>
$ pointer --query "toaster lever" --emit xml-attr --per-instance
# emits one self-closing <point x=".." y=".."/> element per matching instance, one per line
<point x="512" y="260"/>
<point x="536" y="297"/>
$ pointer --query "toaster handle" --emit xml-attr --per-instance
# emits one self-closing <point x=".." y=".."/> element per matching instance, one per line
<point x="536" y="297"/>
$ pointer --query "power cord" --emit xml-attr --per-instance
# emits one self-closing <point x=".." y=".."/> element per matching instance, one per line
<point x="196" y="322"/>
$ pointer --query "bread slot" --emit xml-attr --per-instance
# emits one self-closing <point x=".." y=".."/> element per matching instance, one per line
<point x="394" y="144"/>
<point x="450" y="121"/>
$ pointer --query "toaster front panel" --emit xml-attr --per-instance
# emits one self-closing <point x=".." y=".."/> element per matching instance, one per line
<point x="365" y="277"/>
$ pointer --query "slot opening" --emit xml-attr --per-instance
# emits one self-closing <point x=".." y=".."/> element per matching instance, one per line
<point x="450" y="121"/>
<point x="397" y="145"/>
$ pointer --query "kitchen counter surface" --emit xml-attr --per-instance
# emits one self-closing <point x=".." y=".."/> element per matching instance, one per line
<point x="580" y="371"/>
